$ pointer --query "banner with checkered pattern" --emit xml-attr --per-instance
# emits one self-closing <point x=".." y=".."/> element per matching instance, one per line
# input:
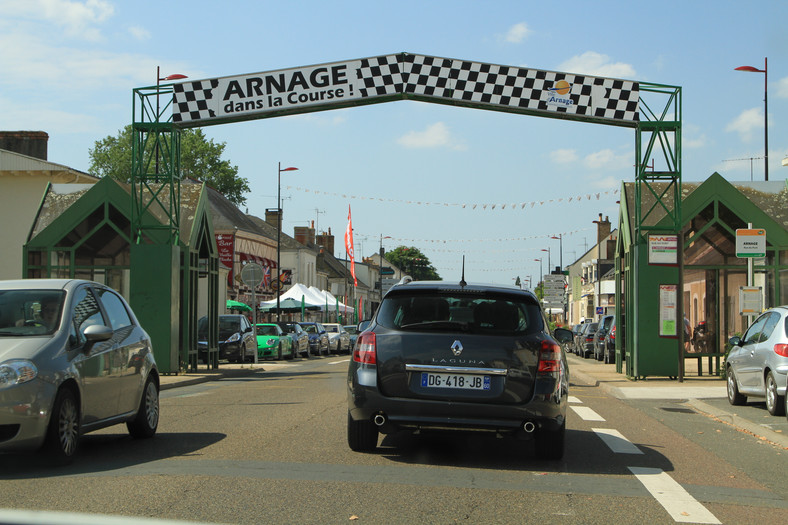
<point x="404" y="76"/>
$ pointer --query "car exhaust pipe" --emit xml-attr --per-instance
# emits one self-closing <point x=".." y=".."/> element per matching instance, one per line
<point x="529" y="426"/>
<point x="379" y="420"/>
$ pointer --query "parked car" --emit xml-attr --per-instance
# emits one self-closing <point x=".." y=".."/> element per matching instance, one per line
<point x="299" y="337"/>
<point x="599" y="336"/>
<point x="610" y="343"/>
<point x="236" y="338"/>
<point x="338" y="338"/>
<point x="418" y="367"/>
<point x="352" y="331"/>
<point x="318" y="338"/>
<point x="757" y="364"/>
<point x="272" y="341"/>
<point x="572" y="346"/>
<point x="74" y="359"/>
<point x="586" y="348"/>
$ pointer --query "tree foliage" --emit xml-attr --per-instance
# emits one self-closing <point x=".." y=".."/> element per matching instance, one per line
<point x="201" y="159"/>
<point x="413" y="262"/>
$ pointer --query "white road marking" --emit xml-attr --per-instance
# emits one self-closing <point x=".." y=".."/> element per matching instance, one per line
<point x="573" y="399"/>
<point x="340" y="362"/>
<point x="682" y="507"/>
<point x="616" y="441"/>
<point x="586" y="414"/>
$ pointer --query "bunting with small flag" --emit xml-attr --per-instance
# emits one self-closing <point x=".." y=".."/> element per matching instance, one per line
<point x="349" y="246"/>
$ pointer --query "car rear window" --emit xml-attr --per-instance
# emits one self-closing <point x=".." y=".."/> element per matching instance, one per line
<point x="467" y="311"/>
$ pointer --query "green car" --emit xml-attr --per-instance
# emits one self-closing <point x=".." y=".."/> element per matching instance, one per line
<point x="273" y="342"/>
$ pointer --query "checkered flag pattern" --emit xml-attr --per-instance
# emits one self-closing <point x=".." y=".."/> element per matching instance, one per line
<point x="381" y="76"/>
<point x="472" y="83"/>
<point x="191" y="100"/>
<point x="520" y="88"/>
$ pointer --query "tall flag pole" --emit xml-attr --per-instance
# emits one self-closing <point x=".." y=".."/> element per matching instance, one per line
<point x="349" y="246"/>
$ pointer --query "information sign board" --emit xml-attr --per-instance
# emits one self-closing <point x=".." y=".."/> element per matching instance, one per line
<point x="750" y="242"/>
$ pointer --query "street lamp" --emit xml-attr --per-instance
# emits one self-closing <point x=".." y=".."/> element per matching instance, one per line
<point x="549" y="268"/>
<point x="765" y="113"/>
<point x="279" y="233"/>
<point x="541" y="273"/>
<point x="174" y="76"/>
<point x="380" y="265"/>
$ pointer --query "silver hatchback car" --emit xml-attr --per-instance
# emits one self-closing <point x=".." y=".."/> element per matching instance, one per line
<point x="757" y="364"/>
<point x="73" y="359"/>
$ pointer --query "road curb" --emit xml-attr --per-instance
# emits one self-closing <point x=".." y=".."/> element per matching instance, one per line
<point x="740" y="423"/>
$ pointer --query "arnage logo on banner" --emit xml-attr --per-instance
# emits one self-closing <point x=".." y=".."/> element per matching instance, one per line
<point x="288" y="88"/>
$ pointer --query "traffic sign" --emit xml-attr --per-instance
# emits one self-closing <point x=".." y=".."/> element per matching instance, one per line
<point x="387" y="270"/>
<point x="252" y="274"/>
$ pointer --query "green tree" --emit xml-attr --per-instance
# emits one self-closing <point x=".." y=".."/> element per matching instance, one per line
<point x="200" y="159"/>
<point x="414" y="263"/>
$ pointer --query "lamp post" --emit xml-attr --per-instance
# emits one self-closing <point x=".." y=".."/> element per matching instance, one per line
<point x="765" y="112"/>
<point x="380" y="265"/>
<point x="279" y="233"/>
<point x="174" y="76"/>
<point x="549" y="267"/>
<point x="541" y="273"/>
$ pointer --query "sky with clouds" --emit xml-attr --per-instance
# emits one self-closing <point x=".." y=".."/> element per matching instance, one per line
<point x="494" y="187"/>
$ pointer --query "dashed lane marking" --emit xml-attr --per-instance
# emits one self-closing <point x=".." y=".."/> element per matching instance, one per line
<point x="682" y="507"/>
<point x="586" y="414"/>
<point x="616" y="441"/>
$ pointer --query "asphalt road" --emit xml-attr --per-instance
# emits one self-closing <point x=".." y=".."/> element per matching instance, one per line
<point x="271" y="448"/>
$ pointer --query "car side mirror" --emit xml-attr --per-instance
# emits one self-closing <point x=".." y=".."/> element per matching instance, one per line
<point x="735" y="340"/>
<point x="563" y="335"/>
<point x="94" y="334"/>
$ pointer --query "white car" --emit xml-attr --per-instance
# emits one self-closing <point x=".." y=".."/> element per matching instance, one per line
<point x="338" y="338"/>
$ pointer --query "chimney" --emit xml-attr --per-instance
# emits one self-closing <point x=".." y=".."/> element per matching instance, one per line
<point x="327" y="241"/>
<point x="305" y="234"/>
<point x="271" y="215"/>
<point x="602" y="229"/>
<point x="30" y="143"/>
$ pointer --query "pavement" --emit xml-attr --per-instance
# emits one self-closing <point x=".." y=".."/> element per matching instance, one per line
<point x="693" y="388"/>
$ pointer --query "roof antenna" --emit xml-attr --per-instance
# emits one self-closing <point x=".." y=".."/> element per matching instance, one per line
<point x="462" y="279"/>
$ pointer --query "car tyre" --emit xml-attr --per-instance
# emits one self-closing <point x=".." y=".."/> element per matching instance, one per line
<point x="62" y="438"/>
<point x="279" y="352"/>
<point x="549" y="444"/>
<point x="362" y="436"/>
<point x="146" y="422"/>
<point x="774" y="402"/>
<point x="734" y="397"/>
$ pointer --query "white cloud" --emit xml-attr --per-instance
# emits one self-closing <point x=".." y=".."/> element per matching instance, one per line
<point x="78" y="19"/>
<point x="746" y="123"/>
<point x="140" y="33"/>
<point x="592" y="63"/>
<point x="609" y="160"/>
<point x="563" y="156"/>
<point x="607" y="183"/>
<point x="782" y="88"/>
<point x="435" y="136"/>
<point x="517" y="33"/>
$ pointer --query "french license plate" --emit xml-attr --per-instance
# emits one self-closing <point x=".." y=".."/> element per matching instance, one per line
<point x="463" y="381"/>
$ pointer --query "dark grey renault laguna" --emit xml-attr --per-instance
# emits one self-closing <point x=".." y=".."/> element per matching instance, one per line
<point x="462" y="357"/>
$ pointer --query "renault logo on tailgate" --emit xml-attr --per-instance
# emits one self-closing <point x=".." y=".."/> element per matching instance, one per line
<point x="456" y="348"/>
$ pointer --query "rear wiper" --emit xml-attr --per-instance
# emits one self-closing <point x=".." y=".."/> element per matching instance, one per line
<point x="439" y="325"/>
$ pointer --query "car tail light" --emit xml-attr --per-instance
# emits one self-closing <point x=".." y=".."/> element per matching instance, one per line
<point x="365" y="351"/>
<point x="781" y="349"/>
<point x="613" y="333"/>
<point x="549" y="357"/>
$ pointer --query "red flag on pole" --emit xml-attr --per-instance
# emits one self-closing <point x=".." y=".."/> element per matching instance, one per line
<point x="349" y="246"/>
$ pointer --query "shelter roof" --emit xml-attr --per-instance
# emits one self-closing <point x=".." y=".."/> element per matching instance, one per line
<point x="769" y="196"/>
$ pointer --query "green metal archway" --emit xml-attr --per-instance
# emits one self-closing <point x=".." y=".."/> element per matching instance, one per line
<point x="653" y="110"/>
